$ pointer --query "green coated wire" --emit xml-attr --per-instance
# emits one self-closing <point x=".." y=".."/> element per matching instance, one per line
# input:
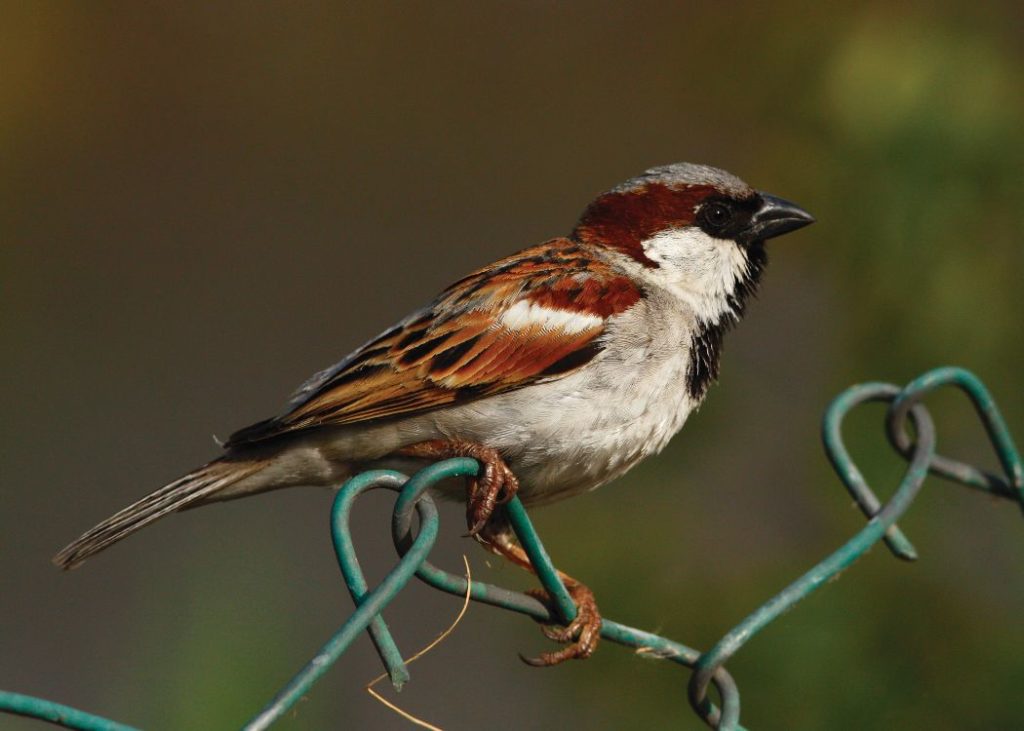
<point x="834" y="564"/>
<point x="345" y="551"/>
<point x="40" y="709"/>
<point x="369" y="605"/>
<point x="1012" y="485"/>
<point x="414" y="546"/>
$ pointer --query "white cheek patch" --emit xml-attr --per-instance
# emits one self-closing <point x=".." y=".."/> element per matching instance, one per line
<point x="688" y="249"/>
<point x="699" y="268"/>
<point x="524" y="315"/>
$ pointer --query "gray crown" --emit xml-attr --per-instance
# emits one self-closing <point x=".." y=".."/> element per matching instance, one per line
<point x="685" y="173"/>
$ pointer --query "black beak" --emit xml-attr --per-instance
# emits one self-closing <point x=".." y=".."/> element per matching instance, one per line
<point x="774" y="218"/>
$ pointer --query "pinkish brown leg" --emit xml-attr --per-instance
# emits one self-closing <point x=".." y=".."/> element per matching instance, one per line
<point x="583" y="632"/>
<point x="496" y="486"/>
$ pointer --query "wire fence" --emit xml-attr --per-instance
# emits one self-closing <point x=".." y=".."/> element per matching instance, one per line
<point x="708" y="668"/>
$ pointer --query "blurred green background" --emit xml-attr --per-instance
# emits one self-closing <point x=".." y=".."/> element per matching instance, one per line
<point x="200" y="206"/>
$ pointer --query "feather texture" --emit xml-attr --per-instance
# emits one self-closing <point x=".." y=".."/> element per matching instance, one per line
<point x="533" y="316"/>
<point x="184" y="492"/>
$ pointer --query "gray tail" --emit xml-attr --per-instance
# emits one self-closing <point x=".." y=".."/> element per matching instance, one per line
<point x="195" y="487"/>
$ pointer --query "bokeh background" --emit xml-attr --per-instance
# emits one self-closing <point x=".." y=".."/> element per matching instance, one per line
<point x="200" y="206"/>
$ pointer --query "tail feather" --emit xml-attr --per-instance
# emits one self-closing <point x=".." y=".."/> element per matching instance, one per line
<point x="184" y="492"/>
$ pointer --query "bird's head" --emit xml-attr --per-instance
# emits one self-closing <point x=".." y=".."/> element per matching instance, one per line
<point x="695" y="230"/>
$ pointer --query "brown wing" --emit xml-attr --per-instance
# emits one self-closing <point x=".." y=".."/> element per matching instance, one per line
<point x="533" y="316"/>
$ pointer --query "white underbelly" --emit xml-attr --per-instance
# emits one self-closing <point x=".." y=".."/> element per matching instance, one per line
<point x="574" y="434"/>
<point x="568" y="435"/>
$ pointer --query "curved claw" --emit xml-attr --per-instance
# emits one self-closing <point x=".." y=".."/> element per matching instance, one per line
<point x="558" y="633"/>
<point x="476" y="528"/>
<point x="584" y="646"/>
<point x="495" y="487"/>
<point x="550" y="659"/>
<point x="584" y="631"/>
<point x="544" y="660"/>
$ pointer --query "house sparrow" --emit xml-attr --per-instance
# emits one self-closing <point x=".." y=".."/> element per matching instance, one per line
<point x="558" y="368"/>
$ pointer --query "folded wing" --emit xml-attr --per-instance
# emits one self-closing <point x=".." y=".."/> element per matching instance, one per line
<point x="534" y="316"/>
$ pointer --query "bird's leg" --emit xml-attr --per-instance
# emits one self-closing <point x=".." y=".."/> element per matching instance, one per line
<point x="584" y="631"/>
<point x="496" y="486"/>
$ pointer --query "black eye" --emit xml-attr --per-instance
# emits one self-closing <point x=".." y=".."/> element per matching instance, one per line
<point x="714" y="216"/>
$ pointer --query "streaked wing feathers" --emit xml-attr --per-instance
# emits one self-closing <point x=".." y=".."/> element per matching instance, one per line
<point x="535" y="315"/>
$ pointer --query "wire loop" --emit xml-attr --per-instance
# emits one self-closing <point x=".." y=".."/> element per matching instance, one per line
<point x="414" y="545"/>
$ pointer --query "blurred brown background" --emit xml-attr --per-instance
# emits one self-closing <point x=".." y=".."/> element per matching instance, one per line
<point x="201" y="206"/>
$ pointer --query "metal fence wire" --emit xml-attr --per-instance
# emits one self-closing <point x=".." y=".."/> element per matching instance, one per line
<point x="708" y="668"/>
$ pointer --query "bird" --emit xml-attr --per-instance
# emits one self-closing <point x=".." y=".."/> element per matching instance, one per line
<point x="557" y="368"/>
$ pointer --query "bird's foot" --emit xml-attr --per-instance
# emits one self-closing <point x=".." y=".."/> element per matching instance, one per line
<point x="583" y="632"/>
<point x="495" y="486"/>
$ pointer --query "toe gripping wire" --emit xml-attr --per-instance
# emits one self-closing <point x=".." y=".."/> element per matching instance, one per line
<point x="708" y="668"/>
